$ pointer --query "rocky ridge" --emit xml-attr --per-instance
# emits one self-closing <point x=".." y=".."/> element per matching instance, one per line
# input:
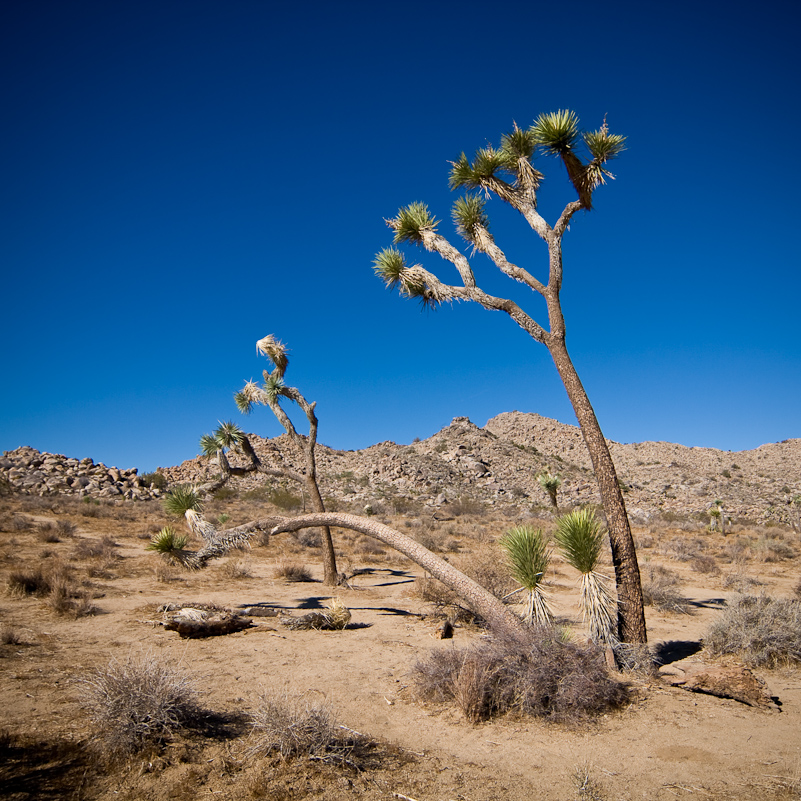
<point x="30" y="472"/>
<point x="462" y="464"/>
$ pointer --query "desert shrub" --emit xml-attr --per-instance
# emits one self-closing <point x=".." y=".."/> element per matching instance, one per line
<point x="739" y="580"/>
<point x="484" y="567"/>
<point x="760" y="630"/>
<point x="29" y="582"/>
<point x="294" y="725"/>
<point x="225" y="494"/>
<point x="434" y="592"/>
<point x="682" y="549"/>
<point x="292" y="571"/>
<point x="309" y="537"/>
<point x="21" y="522"/>
<point x="236" y="570"/>
<point x="89" y="548"/>
<point x="65" y="528"/>
<point x="429" y="539"/>
<point x="65" y="598"/>
<point x="660" y="589"/>
<point x="47" y="531"/>
<point x="588" y="788"/>
<point x="797" y="589"/>
<point x="9" y="635"/>
<point x="138" y="703"/>
<point x="155" y="480"/>
<point x="540" y="674"/>
<point x="705" y="563"/>
<point x="369" y="547"/>
<point x="284" y="499"/>
<point x="465" y="505"/>
<point x="769" y="549"/>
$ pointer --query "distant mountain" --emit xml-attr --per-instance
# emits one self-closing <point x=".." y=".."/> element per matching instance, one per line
<point x="497" y="465"/>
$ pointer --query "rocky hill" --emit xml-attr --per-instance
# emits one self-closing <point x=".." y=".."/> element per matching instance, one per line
<point x="464" y="465"/>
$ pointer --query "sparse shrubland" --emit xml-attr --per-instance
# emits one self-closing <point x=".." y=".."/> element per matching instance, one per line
<point x="541" y="675"/>
<point x="138" y="703"/>
<point x="760" y="630"/>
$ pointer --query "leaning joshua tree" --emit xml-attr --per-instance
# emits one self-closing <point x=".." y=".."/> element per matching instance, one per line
<point x="508" y="172"/>
<point x="228" y="436"/>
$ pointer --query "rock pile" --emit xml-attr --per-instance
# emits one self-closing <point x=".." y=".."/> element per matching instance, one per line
<point x="29" y="472"/>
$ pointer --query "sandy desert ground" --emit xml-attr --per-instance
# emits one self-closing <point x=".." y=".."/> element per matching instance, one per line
<point x="664" y="743"/>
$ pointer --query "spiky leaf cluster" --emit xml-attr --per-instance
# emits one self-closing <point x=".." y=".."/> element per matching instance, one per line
<point x="179" y="500"/>
<point x="469" y="216"/>
<point x="411" y="221"/>
<point x="557" y="132"/>
<point x="228" y="436"/>
<point x="528" y="555"/>
<point x="167" y="542"/>
<point x="390" y="266"/>
<point x="487" y="162"/>
<point x="580" y="536"/>
<point x="548" y="481"/>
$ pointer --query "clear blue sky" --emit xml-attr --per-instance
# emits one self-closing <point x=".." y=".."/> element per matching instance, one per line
<point x="180" y="178"/>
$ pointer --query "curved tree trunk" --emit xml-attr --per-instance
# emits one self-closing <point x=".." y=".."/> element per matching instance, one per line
<point x="484" y="603"/>
<point x="631" y="615"/>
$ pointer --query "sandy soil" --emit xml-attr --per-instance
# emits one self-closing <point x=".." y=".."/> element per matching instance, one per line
<point x="667" y="743"/>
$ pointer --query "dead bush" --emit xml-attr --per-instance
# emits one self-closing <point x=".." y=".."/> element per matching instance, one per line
<point x="760" y="630"/>
<point x="309" y="538"/>
<point x="9" y="635"/>
<point x="138" y="703"/>
<point x="104" y="548"/>
<point x="292" y="571"/>
<point x="704" y="563"/>
<point x="294" y="725"/>
<point x="682" y="549"/>
<point x="47" y="532"/>
<point x="65" y="598"/>
<point x="486" y="568"/>
<point x="29" y="582"/>
<point x="65" y="528"/>
<point x="236" y="570"/>
<point x="539" y="674"/>
<point x="660" y="589"/>
<point x="20" y="522"/>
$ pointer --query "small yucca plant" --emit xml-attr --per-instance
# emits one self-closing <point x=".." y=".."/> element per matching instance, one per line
<point x="528" y="558"/>
<point x="580" y="536"/>
<point x="550" y="483"/>
<point x="168" y="543"/>
<point x="180" y="500"/>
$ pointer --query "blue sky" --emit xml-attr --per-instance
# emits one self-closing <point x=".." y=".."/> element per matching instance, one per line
<point x="181" y="178"/>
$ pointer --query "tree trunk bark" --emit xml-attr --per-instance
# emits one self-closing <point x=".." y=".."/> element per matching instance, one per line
<point x="631" y="615"/>
<point x="330" y="572"/>
<point x="484" y="603"/>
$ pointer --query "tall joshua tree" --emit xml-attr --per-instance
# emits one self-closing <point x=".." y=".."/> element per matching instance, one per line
<point x="228" y="436"/>
<point x="508" y="172"/>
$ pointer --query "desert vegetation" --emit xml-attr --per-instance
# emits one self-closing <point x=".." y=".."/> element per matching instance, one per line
<point x="391" y="683"/>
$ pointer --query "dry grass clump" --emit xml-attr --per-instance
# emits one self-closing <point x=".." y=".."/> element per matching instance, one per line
<point x="660" y="589"/>
<point x="9" y="635"/>
<point x="485" y="568"/>
<point x="292" y="571"/>
<point x="29" y="582"/>
<point x="236" y="570"/>
<point x="705" y="563"/>
<point x="760" y="630"/>
<point x="294" y="725"/>
<point x="540" y="674"/>
<point x="138" y="703"/>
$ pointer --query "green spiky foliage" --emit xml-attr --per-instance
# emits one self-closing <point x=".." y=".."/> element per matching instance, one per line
<point x="580" y="537"/>
<point x="550" y="483"/>
<point x="528" y="557"/>
<point x="390" y="266"/>
<point x="468" y="215"/>
<point x="557" y="132"/>
<point x="227" y="436"/>
<point x="167" y="542"/>
<point x="411" y="221"/>
<point x="274" y="386"/>
<point x="179" y="500"/>
<point x="518" y="144"/>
